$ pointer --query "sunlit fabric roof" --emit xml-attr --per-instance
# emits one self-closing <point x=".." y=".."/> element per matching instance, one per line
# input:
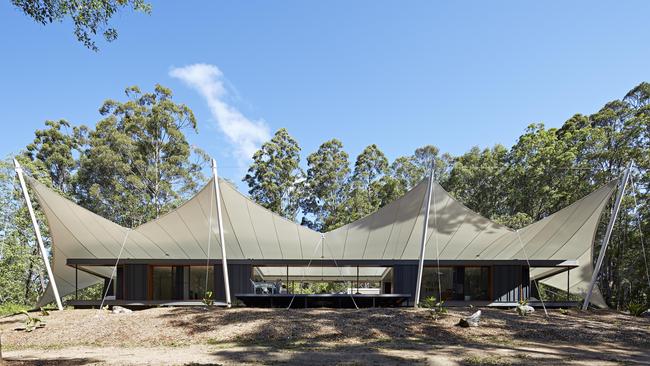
<point x="252" y="232"/>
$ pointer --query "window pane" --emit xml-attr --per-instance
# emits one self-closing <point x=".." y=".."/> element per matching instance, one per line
<point x="477" y="283"/>
<point x="162" y="283"/>
<point x="197" y="282"/>
<point x="430" y="283"/>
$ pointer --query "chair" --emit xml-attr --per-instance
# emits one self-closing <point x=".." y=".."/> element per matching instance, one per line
<point x="260" y="285"/>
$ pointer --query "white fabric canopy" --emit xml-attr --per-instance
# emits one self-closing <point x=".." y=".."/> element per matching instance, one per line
<point x="253" y="232"/>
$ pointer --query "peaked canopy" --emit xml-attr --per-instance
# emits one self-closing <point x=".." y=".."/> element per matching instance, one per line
<point x="253" y="232"/>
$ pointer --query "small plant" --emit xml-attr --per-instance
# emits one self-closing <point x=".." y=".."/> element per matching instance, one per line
<point x="428" y="302"/>
<point x="636" y="309"/>
<point x="437" y="308"/>
<point x="207" y="299"/>
<point x="31" y="323"/>
<point x="44" y="312"/>
<point x="523" y="309"/>
<point x="440" y="308"/>
<point x="564" y="311"/>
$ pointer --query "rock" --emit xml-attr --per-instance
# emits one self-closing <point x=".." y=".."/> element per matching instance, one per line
<point x="471" y="321"/>
<point x="524" y="310"/>
<point x="646" y="314"/>
<point x="121" y="310"/>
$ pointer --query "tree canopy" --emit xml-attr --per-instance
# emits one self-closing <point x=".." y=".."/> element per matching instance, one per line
<point x="89" y="17"/>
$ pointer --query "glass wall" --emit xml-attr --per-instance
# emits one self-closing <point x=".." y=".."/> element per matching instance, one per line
<point x="181" y="282"/>
<point x="162" y="283"/>
<point x="431" y="277"/>
<point x="456" y="283"/>
<point x="477" y="283"/>
<point x="197" y="284"/>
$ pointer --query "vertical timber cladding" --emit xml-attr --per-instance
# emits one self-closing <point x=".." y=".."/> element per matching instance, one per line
<point x="136" y="281"/>
<point x="178" y="285"/>
<point x="404" y="278"/>
<point x="510" y="283"/>
<point x="119" y="283"/>
<point x="239" y="277"/>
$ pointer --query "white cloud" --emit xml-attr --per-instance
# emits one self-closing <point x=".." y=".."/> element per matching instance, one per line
<point x="246" y="135"/>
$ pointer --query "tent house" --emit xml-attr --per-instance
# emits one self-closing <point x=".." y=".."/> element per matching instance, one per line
<point x="178" y="257"/>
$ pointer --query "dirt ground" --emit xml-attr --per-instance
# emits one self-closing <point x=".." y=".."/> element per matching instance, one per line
<point x="194" y="336"/>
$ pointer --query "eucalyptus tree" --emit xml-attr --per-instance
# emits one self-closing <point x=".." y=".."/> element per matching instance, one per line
<point x="364" y="186"/>
<point x="325" y="189"/>
<point x="407" y="171"/>
<point x="137" y="164"/>
<point x="274" y="178"/>
<point x="88" y="17"/>
<point x="53" y="151"/>
<point x="477" y="179"/>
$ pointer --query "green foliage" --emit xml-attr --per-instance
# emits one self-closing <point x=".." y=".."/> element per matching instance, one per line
<point x="437" y="307"/>
<point x="428" y="302"/>
<point x="137" y="164"/>
<point x="11" y="309"/>
<point x="133" y="166"/>
<point x="32" y="322"/>
<point x="440" y="309"/>
<point x="320" y="288"/>
<point x="88" y="16"/>
<point x="274" y="177"/>
<point x="325" y="187"/>
<point x="207" y="299"/>
<point x="636" y="309"/>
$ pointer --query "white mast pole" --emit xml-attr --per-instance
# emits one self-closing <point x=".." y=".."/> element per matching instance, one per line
<point x="37" y="231"/>
<point x="608" y="234"/>
<point x="423" y="243"/>
<point x="224" y="260"/>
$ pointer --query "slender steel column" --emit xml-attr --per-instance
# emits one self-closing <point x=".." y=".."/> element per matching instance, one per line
<point x="357" y="279"/>
<point x="37" y="231"/>
<point x="76" y="282"/>
<point x="568" y="285"/>
<point x="423" y="243"/>
<point x="608" y="234"/>
<point x="224" y="260"/>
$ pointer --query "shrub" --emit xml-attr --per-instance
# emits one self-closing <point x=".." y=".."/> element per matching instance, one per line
<point x="428" y="302"/>
<point x="636" y="309"/>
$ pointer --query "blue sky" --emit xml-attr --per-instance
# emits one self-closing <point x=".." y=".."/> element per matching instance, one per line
<point x="398" y="74"/>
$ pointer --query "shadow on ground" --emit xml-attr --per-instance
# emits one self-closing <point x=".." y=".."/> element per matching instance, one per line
<point x="51" y="362"/>
<point x="390" y="336"/>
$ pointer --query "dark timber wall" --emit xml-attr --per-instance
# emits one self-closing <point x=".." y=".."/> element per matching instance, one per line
<point x="510" y="283"/>
<point x="178" y="272"/>
<point x="119" y="283"/>
<point x="404" y="278"/>
<point x="239" y="278"/>
<point x="136" y="281"/>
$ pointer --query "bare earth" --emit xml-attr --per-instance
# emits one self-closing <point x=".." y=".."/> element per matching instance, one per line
<point x="181" y="336"/>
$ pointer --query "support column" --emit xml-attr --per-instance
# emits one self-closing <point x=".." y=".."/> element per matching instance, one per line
<point x="357" y="279"/>
<point x="608" y="234"/>
<point x="37" y="231"/>
<point x="76" y="282"/>
<point x="224" y="260"/>
<point x="423" y="243"/>
<point x="568" y="285"/>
